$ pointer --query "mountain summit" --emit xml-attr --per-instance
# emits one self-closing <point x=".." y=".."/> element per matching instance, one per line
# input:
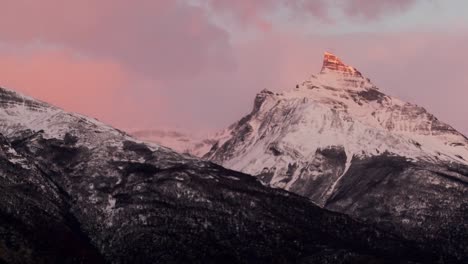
<point x="339" y="141"/>
<point x="337" y="74"/>
<point x="340" y="107"/>
<point x="334" y="64"/>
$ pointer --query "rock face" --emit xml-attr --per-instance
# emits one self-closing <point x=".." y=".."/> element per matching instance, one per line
<point x="73" y="190"/>
<point x="331" y="63"/>
<point x="339" y="141"/>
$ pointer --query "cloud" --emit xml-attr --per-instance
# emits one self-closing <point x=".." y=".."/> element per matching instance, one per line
<point x="136" y="52"/>
<point x="256" y="12"/>
<point x="162" y="39"/>
<point x="99" y="88"/>
<point x="371" y="9"/>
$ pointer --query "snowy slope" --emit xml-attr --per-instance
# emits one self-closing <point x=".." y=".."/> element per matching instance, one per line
<point x="23" y="114"/>
<point x="181" y="142"/>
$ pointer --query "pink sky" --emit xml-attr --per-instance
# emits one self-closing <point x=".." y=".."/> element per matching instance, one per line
<point x="197" y="64"/>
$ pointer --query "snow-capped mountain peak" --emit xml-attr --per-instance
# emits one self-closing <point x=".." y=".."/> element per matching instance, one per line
<point x="341" y="107"/>
<point x="336" y="73"/>
<point x="349" y="147"/>
<point x="331" y="63"/>
<point x="337" y="109"/>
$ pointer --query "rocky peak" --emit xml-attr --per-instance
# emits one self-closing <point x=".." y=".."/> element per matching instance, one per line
<point x="9" y="98"/>
<point x="331" y="63"/>
<point x="338" y="75"/>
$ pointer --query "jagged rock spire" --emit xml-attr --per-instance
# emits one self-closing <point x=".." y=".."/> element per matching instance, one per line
<point x="331" y="63"/>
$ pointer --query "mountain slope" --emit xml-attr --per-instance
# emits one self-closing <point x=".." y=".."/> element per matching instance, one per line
<point x="77" y="191"/>
<point x="34" y="225"/>
<point x="181" y="142"/>
<point x="339" y="141"/>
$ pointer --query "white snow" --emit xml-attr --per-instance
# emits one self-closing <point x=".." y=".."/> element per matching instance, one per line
<point x="111" y="204"/>
<point x="192" y="144"/>
<point x="331" y="190"/>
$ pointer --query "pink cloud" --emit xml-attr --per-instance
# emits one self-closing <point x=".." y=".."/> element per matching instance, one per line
<point x="161" y="45"/>
<point x="371" y="9"/>
<point x="162" y="39"/>
<point x="94" y="87"/>
<point x="256" y="12"/>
